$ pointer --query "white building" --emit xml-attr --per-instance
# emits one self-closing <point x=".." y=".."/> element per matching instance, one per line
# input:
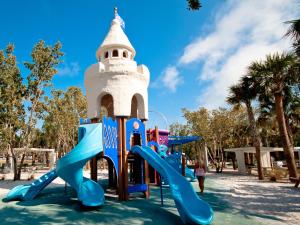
<point x="264" y="155"/>
<point x="116" y="85"/>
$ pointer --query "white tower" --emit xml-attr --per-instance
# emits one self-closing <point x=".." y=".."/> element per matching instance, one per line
<point x="116" y="85"/>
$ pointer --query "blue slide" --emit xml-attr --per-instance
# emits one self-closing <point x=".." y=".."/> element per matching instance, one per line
<point x="70" y="168"/>
<point x="29" y="191"/>
<point x="175" y="161"/>
<point x="191" y="208"/>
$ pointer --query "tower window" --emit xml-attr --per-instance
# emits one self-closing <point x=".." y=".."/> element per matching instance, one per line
<point x="106" y="55"/>
<point x="115" y="53"/>
<point x="125" y="54"/>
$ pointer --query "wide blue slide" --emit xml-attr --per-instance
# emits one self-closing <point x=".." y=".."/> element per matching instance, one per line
<point x="70" y="169"/>
<point x="191" y="208"/>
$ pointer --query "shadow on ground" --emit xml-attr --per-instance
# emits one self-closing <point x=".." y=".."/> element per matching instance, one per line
<point x="55" y="206"/>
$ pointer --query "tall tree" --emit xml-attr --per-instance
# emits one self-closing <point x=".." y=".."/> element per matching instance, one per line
<point x="42" y="69"/>
<point x="294" y="33"/>
<point x="291" y="106"/>
<point x="61" y="121"/>
<point x="11" y="104"/>
<point x="194" y="4"/>
<point x="277" y="73"/>
<point x="198" y="123"/>
<point x="190" y="149"/>
<point x="219" y="129"/>
<point x="245" y="92"/>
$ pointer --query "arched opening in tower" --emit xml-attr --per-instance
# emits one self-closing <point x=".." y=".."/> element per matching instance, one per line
<point x="137" y="107"/>
<point x="107" y="172"/>
<point x="134" y="107"/>
<point x="107" y="106"/>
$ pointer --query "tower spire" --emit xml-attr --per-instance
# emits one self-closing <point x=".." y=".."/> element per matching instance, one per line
<point x="116" y="11"/>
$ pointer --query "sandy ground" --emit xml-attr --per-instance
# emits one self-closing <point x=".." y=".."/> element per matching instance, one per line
<point x="279" y="202"/>
<point x="236" y="200"/>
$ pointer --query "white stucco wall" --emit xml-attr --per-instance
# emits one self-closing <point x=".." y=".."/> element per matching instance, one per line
<point x="120" y="78"/>
<point x="265" y="159"/>
<point x="240" y="158"/>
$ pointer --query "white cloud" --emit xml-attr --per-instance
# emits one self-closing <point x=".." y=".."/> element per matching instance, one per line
<point x="170" y="79"/>
<point x="72" y="69"/>
<point x="230" y="72"/>
<point x="243" y="32"/>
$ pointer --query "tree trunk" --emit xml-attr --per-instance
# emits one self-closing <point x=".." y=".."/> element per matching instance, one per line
<point x="286" y="143"/>
<point x="214" y="149"/>
<point x="14" y="161"/>
<point x="33" y="159"/>
<point x="20" y="167"/>
<point x="289" y="131"/>
<point x="255" y="139"/>
<point x="15" y="166"/>
<point x="47" y="159"/>
<point x="7" y="163"/>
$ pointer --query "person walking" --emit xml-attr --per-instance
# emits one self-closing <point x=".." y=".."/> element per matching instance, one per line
<point x="199" y="172"/>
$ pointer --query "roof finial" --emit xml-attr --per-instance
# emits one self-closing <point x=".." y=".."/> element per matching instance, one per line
<point x="116" y="11"/>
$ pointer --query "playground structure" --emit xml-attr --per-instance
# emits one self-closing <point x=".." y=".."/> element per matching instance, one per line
<point x="170" y="148"/>
<point x="178" y="154"/>
<point x="118" y="109"/>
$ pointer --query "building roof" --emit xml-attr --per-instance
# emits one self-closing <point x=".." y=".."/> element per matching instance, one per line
<point x="36" y="149"/>
<point x="115" y="38"/>
<point x="252" y="149"/>
<point x="178" y="140"/>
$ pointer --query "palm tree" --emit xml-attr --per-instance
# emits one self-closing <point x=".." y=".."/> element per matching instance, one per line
<point x="277" y="73"/>
<point x="245" y="92"/>
<point x="294" y="33"/>
<point x="194" y="4"/>
<point x="291" y="106"/>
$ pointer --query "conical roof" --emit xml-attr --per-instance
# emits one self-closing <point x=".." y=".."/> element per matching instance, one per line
<point x="115" y="38"/>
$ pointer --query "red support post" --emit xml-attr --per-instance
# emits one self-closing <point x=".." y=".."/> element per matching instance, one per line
<point x="120" y="164"/>
<point x="183" y="163"/>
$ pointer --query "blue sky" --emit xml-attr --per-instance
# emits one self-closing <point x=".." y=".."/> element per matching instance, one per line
<point x="193" y="57"/>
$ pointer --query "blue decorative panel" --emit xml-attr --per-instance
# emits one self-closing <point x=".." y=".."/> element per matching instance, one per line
<point x="135" y="126"/>
<point x="110" y="140"/>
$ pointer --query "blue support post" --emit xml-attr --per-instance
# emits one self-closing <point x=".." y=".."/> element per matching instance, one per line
<point x="142" y="171"/>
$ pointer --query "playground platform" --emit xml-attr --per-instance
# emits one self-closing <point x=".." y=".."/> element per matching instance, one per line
<point x="235" y="199"/>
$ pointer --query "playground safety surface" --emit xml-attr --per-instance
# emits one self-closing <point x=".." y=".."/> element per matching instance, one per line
<point x="55" y="206"/>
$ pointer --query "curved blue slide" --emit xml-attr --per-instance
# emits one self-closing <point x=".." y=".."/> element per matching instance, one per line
<point x="191" y="208"/>
<point x="70" y="169"/>
<point x="175" y="162"/>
